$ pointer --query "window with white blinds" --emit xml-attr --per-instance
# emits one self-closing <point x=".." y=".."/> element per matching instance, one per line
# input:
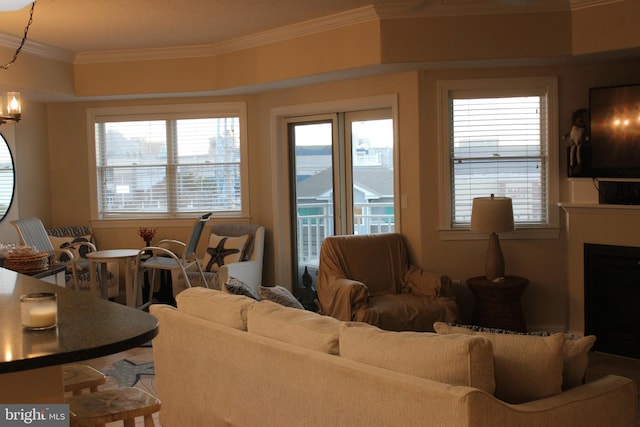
<point x="7" y="180"/>
<point x="497" y="143"/>
<point x="169" y="164"/>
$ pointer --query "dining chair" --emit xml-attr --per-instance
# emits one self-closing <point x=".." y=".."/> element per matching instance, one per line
<point x="79" y="239"/>
<point x="159" y="257"/>
<point x="33" y="233"/>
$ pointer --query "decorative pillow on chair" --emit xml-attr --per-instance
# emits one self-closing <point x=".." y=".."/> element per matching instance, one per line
<point x="78" y="251"/>
<point x="237" y="287"/>
<point x="279" y="295"/>
<point x="223" y="250"/>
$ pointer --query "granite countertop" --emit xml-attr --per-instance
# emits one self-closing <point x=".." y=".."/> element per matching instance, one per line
<point x="88" y="326"/>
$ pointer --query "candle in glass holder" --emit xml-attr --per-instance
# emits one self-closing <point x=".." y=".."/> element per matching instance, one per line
<point x="39" y="310"/>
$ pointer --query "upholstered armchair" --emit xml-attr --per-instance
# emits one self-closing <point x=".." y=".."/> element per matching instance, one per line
<point x="368" y="278"/>
<point x="233" y="250"/>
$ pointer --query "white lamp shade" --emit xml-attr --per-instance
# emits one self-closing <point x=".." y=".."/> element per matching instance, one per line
<point x="11" y="5"/>
<point x="492" y="214"/>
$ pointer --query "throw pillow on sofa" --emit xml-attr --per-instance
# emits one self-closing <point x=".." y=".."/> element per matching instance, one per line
<point x="459" y="360"/>
<point x="526" y="367"/>
<point x="300" y="327"/>
<point x="575" y="360"/>
<point x="575" y="357"/>
<point x="279" y="295"/>
<point x="238" y="287"/>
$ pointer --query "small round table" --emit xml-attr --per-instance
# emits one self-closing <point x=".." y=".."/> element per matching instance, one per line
<point x="498" y="304"/>
<point x="111" y="255"/>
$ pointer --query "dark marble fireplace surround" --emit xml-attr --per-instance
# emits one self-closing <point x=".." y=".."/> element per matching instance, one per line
<point x="612" y="297"/>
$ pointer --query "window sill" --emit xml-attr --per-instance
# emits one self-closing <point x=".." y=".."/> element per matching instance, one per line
<point x="160" y="222"/>
<point x="518" y="234"/>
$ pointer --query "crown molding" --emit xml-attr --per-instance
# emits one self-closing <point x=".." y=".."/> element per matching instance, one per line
<point x="38" y="49"/>
<point x="584" y="4"/>
<point x="300" y="29"/>
<point x="128" y="55"/>
<point x="434" y="8"/>
<point x="403" y="9"/>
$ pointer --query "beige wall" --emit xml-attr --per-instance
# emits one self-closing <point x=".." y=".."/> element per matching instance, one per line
<point x="542" y="261"/>
<point x="606" y="27"/>
<point x="52" y="156"/>
<point x="476" y="37"/>
<point x="29" y="147"/>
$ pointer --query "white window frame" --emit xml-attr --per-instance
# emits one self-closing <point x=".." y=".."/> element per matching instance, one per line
<point x="176" y="111"/>
<point x="283" y="247"/>
<point x="547" y="86"/>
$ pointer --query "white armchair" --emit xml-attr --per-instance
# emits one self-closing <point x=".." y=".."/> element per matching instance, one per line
<point x="228" y="254"/>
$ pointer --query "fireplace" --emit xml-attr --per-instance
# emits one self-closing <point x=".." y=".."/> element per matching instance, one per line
<point x="612" y="296"/>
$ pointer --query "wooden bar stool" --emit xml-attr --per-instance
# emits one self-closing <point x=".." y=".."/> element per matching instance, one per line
<point x="79" y="377"/>
<point x="102" y="407"/>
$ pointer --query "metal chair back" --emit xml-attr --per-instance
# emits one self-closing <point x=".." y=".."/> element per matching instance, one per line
<point x="196" y="233"/>
<point x="33" y="233"/>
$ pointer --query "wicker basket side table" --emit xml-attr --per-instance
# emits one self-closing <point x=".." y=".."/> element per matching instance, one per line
<point x="498" y="304"/>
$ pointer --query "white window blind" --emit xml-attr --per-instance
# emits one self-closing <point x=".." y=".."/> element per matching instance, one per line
<point x="498" y="145"/>
<point x="6" y="178"/>
<point x="166" y="166"/>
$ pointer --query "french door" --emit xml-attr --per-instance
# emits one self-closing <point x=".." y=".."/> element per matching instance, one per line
<point x="341" y="180"/>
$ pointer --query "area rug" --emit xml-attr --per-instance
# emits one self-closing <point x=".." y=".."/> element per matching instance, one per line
<point x="128" y="373"/>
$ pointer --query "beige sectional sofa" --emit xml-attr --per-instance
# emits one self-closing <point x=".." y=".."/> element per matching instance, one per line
<point x="228" y="360"/>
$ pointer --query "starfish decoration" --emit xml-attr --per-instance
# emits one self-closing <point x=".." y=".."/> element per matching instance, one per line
<point x="128" y="373"/>
<point x="219" y="253"/>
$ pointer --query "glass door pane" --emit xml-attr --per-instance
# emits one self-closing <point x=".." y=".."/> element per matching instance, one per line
<point x="342" y="182"/>
<point x="372" y="175"/>
<point x="313" y="193"/>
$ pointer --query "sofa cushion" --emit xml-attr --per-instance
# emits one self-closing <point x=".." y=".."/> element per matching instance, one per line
<point x="526" y="367"/>
<point x="215" y="306"/>
<point x="223" y="250"/>
<point x="451" y="359"/>
<point x="299" y="327"/>
<point x="279" y="295"/>
<point x="575" y="352"/>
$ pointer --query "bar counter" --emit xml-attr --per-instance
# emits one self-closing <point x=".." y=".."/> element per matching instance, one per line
<point x="88" y="327"/>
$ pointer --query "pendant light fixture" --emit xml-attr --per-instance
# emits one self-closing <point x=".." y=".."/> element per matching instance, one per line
<point x="10" y="105"/>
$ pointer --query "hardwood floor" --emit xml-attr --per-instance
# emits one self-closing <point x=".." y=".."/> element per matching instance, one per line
<point x="603" y="363"/>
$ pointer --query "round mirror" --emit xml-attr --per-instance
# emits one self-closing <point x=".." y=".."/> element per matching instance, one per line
<point x="7" y="177"/>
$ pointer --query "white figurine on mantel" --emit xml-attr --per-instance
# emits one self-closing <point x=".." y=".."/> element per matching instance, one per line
<point x="577" y="136"/>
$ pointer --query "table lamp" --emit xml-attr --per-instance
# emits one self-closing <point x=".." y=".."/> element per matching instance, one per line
<point x="492" y="215"/>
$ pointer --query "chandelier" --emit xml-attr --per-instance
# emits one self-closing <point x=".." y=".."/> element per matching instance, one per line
<point x="10" y="106"/>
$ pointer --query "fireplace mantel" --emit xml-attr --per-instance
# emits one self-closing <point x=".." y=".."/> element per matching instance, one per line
<point x="595" y="208"/>
<point x="593" y="223"/>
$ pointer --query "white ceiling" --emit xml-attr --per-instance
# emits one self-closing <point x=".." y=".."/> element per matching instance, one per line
<point x="104" y="25"/>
